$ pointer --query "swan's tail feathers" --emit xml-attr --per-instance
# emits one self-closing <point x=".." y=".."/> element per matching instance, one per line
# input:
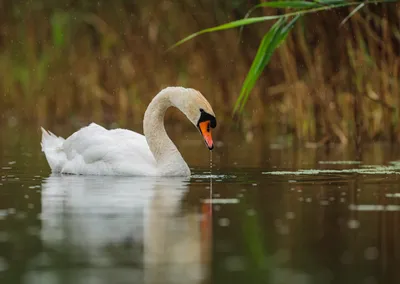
<point x="50" y="141"/>
<point x="52" y="146"/>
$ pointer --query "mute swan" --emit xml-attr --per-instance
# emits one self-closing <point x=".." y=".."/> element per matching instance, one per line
<point x="152" y="224"/>
<point x="94" y="150"/>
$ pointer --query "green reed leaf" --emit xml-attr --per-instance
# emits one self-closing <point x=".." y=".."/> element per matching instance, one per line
<point x="270" y="42"/>
<point x="289" y="4"/>
<point x="277" y="33"/>
<point x="233" y="24"/>
<point x="59" y="23"/>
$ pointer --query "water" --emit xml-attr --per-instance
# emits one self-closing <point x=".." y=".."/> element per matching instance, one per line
<point x="261" y="214"/>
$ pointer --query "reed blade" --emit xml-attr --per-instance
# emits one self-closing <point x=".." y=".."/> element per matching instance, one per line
<point x="270" y="42"/>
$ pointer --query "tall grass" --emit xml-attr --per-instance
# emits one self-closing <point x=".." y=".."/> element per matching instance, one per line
<point x="279" y="32"/>
<point x="75" y="61"/>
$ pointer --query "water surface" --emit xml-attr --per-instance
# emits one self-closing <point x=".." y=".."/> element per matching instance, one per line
<point x="273" y="214"/>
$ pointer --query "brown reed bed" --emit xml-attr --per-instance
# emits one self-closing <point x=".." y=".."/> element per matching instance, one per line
<point x="75" y="63"/>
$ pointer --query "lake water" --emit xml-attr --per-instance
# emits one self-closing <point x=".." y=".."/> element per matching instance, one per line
<point x="267" y="213"/>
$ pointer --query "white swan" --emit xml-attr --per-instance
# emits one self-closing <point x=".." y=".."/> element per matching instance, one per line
<point x="123" y="230"/>
<point x="94" y="150"/>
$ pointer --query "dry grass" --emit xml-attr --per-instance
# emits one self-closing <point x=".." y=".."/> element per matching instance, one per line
<point x="105" y="63"/>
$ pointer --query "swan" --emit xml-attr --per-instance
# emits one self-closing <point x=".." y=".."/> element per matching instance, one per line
<point x="156" y="229"/>
<point x="94" y="150"/>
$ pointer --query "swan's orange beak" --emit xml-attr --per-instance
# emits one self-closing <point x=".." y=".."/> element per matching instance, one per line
<point x="205" y="130"/>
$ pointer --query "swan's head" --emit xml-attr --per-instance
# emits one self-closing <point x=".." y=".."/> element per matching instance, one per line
<point x="198" y="110"/>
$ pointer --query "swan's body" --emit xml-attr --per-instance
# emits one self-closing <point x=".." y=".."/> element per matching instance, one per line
<point x="94" y="150"/>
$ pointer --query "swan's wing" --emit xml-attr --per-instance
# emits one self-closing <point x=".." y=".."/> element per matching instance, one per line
<point x="96" y="150"/>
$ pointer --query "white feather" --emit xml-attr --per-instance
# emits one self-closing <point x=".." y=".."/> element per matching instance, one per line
<point x="94" y="150"/>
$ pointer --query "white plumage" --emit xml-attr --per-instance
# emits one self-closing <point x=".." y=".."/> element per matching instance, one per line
<point x="94" y="150"/>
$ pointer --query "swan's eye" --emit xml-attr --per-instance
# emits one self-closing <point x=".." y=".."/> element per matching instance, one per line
<point x="201" y="110"/>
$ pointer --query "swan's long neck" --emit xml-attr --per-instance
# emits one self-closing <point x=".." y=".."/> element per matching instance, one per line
<point x="164" y="150"/>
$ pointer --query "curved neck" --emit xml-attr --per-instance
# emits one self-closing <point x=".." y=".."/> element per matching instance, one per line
<point x="163" y="149"/>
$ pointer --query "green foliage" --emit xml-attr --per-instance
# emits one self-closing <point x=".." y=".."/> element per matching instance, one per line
<point x="311" y="80"/>
<point x="271" y="41"/>
<point x="59" y="25"/>
<point x="277" y="33"/>
<point x="227" y="26"/>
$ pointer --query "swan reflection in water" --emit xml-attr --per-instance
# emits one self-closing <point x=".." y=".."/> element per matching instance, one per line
<point x="122" y="230"/>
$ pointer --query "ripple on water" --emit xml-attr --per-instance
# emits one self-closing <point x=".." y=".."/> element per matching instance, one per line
<point x="12" y="210"/>
<point x="222" y="201"/>
<point x="213" y="176"/>
<point x="340" y="162"/>
<point x="290" y="215"/>
<point x="353" y="224"/>
<point x="324" y="202"/>
<point x="3" y="214"/>
<point x="373" y="207"/>
<point x="371" y="253"/>
<point x="224" y="222"/>
<point x="393" y="195"/>
<point x="235" y="263"/>
<point x="3" y="264"/>
<point x="393" y="168"/>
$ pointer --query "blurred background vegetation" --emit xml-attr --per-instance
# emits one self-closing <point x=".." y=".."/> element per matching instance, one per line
<point x="80" y="61"/>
